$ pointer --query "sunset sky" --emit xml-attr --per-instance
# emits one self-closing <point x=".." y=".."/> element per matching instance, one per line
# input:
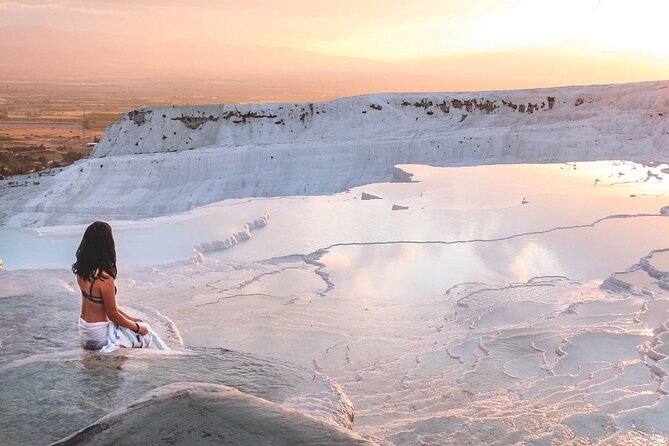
<point x="629" y="34"/>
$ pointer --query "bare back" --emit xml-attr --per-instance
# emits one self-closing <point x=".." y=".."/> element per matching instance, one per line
<point x="92" y="304"/>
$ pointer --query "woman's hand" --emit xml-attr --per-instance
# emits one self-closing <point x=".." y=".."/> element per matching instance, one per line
<point x="142" y="330"/>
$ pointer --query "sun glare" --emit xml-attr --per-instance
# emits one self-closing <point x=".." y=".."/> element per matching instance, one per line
<point x="597" y="25"/>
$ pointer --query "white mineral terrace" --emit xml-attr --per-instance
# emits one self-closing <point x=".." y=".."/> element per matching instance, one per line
<point x="498" y="303"/>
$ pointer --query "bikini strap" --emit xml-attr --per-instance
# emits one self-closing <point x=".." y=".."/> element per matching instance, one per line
<point x="90" y="292"/>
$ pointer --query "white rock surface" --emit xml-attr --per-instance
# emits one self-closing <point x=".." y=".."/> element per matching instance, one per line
<point x="166" y="160"/>
<point x="209" y="414"/>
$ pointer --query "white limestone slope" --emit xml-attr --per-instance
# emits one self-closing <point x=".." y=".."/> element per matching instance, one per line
<point x="165" y="160"/>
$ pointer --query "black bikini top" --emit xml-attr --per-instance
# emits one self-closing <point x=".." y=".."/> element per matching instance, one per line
<point x="89" y="295"/>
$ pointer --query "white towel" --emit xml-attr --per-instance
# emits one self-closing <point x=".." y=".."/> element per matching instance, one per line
<point x="108" y="336"/>
<point x="93" y="335"/>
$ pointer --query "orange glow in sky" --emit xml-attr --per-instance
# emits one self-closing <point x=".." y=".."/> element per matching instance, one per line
<point x="602" y="40"/>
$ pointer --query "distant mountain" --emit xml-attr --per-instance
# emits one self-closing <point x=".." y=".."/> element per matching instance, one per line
<point x="32" y="51"/>
<point x="27" y="48"/>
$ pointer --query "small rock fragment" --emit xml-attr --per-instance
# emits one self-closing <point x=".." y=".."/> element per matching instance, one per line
<point x="366" y="196"/>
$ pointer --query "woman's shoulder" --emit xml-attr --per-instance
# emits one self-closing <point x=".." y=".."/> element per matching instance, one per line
<point x="106" y="284"/>
<point x="106" y="278"/>
<point x="102" y="275"/>
<point x="103" y="279"/>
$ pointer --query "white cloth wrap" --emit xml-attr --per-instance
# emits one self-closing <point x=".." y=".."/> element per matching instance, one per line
<point x="108" y="336"/>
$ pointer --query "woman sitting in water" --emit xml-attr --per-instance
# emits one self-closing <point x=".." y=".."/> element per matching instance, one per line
<point x="102" y="325"/>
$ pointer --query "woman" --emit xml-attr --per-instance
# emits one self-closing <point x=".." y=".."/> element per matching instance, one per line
<point x="102" y="325"/>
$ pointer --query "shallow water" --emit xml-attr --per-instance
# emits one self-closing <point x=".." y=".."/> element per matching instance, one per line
<point x="61" y="388"/>
<point x="74" y="390"/>
<point x="446" y="204"/>
<point x="149" y="242"/>
<point x="474" y="316"/>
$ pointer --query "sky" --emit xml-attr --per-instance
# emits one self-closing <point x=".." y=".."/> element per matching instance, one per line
<point x="381" y="30"/>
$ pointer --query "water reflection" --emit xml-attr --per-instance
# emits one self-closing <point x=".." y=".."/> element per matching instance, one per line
<point x="407" y="272"/>
<point x="462" y="203"/>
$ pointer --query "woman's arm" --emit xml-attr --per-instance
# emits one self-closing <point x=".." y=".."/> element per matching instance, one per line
<point x="113" y="312"/>
<point x="135" y="319"/>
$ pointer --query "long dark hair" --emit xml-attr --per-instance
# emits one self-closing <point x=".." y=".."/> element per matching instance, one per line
<point x="96" y="254"/>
